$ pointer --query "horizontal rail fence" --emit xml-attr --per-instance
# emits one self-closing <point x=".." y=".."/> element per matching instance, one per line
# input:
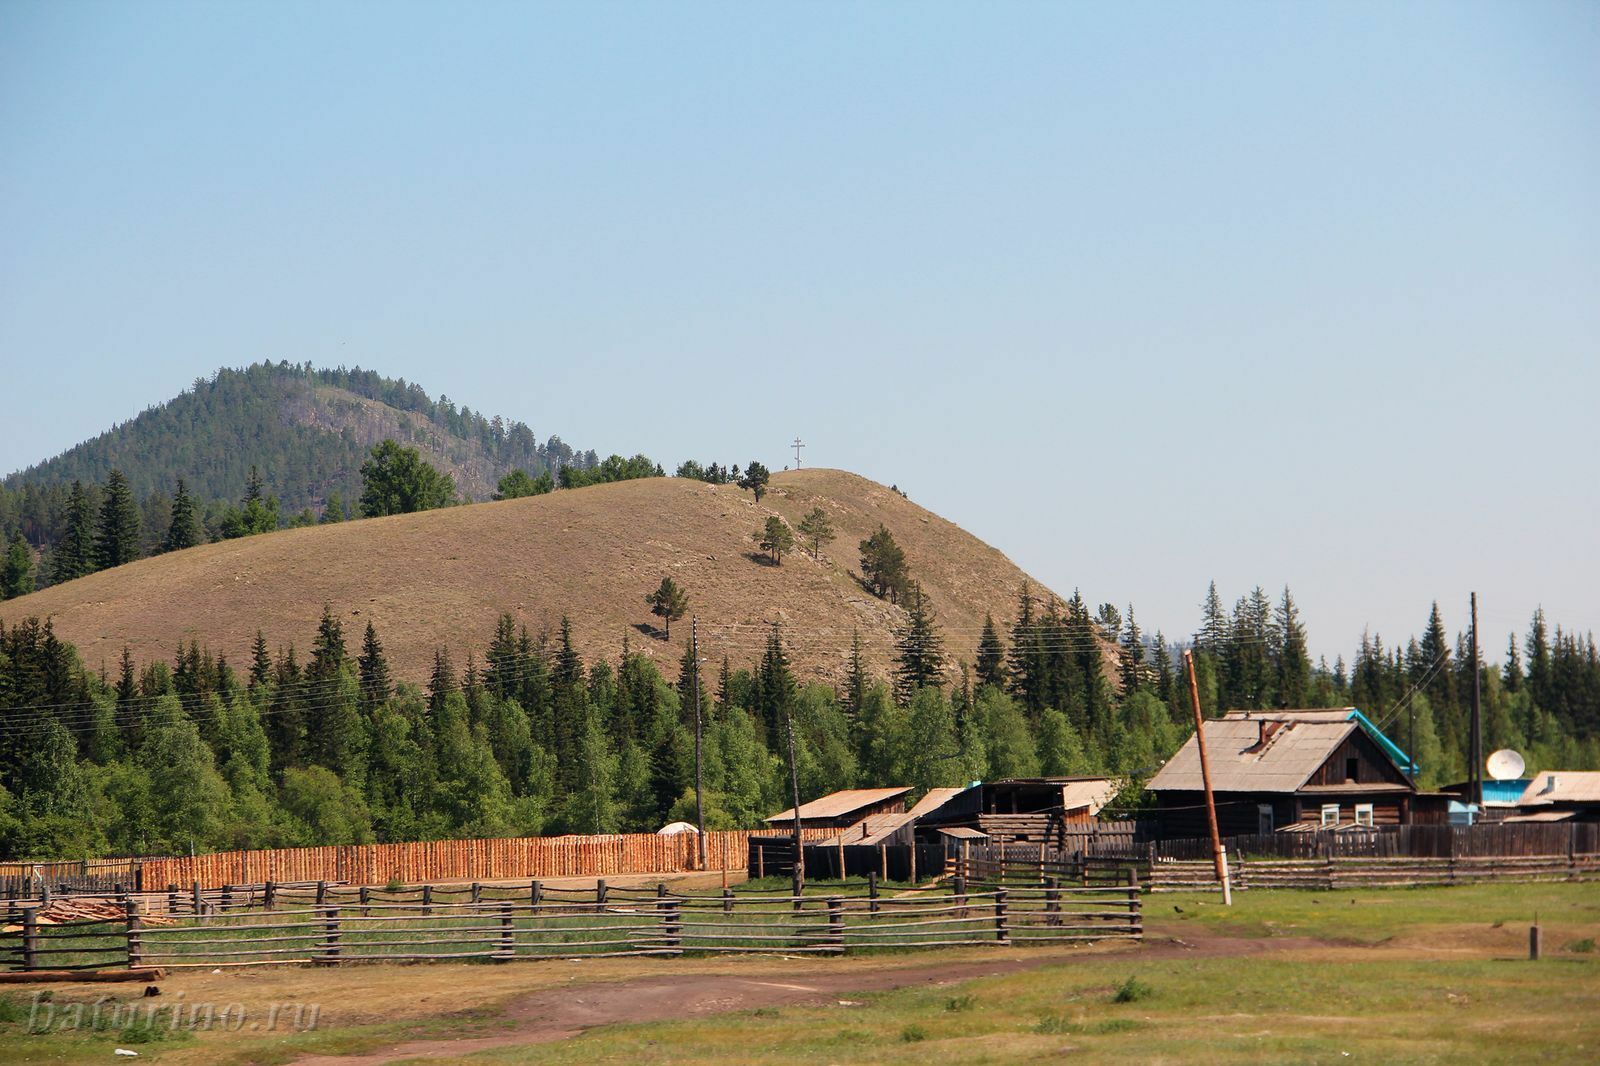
<point x="30" y="880"/>
<point x="1033" y="864"/>
<point x="1174" y="875"/>
<point x="341" y="924"/>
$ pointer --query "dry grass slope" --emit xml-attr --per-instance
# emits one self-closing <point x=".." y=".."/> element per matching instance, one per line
<point x="443" y="577"/>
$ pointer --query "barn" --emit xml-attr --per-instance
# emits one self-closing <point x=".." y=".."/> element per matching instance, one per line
<point x="1274" y="771"/>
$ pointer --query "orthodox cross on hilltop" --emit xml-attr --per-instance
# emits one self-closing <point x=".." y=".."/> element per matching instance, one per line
<point x="797" y="445"/>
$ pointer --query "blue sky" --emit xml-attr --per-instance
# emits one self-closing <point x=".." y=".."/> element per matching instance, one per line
<point x="1144" y="294"/>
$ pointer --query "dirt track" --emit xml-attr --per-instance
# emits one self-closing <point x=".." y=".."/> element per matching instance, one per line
<point x="559" y="1014"/>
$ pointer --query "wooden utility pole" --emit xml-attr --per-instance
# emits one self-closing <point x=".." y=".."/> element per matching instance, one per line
<point x="1205" y="769"/>
<point x="794" y="788"/>
<point x="1476" y="777"/>
<point x="699" y="798"/>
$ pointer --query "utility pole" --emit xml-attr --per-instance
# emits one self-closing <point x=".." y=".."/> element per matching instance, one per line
<point x="1476" y="777"/>
<point x="699" y="798"/>
<point x="797" y="445"/>
<point x="1205" y="775"/>
<point x="794" y="788"/>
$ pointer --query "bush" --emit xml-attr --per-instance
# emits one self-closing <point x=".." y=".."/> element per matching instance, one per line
<point x="1582" y="947"/>
<point x="1132" y="991"/>
<point x="958" y="1003"/>
<point x="912" y="1034"/>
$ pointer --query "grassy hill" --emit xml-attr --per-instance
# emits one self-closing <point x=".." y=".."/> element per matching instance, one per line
<point x="442" y="577"/>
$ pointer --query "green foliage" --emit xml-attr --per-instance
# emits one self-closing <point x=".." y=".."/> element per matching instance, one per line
<point x="257" y="514"/>
<point x="118" y="539"/>
<point x="755" y="479"/>
<point x="774" y="537"/>
<point x="1132" y="991"/>
<point x="668" y="603"/>
<point x="817" y="527"/>
<point x="74" y="554"/>
<point x="397" y="480"/>
<point x="183" y="531"/>
<point x="614" y="468"/>
<point x="919" y="648"/>
<point x="16" y="572"/>
<point x="520" y="483"/>
<point x="883" y="565"/>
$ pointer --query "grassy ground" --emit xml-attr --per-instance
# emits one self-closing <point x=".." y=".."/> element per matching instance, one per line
<point x="1422" y="975"/>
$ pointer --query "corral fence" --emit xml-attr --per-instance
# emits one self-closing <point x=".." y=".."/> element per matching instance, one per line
<point x="512" y="858"/>
<point x="1400" y="841"/>
<point x="336" y="925"/>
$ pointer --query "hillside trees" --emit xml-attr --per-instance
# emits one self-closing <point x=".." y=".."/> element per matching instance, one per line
<point x="668" y="603"/>
<point x="774" y="537"/>
<point x="183" y="529"/>
<point x="257" y="513"/>
<point x="16" y="570"/>
<point x="883" y="565"/>
<point x="755" y="479"/>
<point x="520" y="483"/>
<point x="74" y="555"/>
<point x="397" y="480"/>
<point x="817" y="527"/>
<point x="919" y="648"/>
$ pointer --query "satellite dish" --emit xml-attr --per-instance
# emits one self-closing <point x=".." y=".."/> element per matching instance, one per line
<point x="1505" y="765"/>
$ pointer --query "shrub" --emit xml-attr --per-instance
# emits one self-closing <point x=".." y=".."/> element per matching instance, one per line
<point x="958" y="1003"/>
<point x="911" y="1034"/>
<point x="1582" y="947"/>
<point x="1132" y="991"/>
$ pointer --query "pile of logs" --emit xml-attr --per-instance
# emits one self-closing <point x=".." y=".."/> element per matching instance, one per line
<point x="62" y="911"/>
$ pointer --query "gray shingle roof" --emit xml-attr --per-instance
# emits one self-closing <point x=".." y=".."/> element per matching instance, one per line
<point x="1297" y="745"/>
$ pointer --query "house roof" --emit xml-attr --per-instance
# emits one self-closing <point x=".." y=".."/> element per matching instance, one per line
<point x="1541" y="816"/>
<point x="840" y="804"/>
<point x="1561" y="786"/>
<point x="1296" y="745"/>
<point x="933" y="800"/>
<point x="1093" y="793"/>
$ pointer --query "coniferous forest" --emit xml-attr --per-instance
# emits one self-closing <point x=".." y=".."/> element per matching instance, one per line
<point x="323" y="745"/>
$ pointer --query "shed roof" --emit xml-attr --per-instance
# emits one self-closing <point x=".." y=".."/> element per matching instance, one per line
<point x="1297" y="744"/>
<point x="934" y="799"/>
<point x="961" y="832"/>
<point x="1562" y="786"/>
<point x="1093" y="793"/>
<point x="839" y="804"/>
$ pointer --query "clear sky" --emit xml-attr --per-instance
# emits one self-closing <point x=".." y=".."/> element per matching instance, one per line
<point x="1143" y="294"/>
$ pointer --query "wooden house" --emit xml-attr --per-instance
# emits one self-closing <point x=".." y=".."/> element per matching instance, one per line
<point x="1031" y="810"/>
<point x="1277" y="771"/>
<point x="1560" y="796"/>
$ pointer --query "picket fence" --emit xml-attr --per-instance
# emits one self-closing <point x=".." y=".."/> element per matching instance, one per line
<point x="461" y="860"/>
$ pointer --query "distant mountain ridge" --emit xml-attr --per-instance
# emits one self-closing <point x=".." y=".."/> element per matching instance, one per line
<point x="307" y="430"/>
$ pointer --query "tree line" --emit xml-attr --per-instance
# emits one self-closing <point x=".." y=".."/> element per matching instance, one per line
<point x="530" y="737"/>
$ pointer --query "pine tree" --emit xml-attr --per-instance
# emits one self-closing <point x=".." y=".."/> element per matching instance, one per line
<point x="991" y="666"/>
<point x="118" y="540"/>
<point x="774" y="537"/>
<point x="184" y="529"/>
<point x="374" y="668"/>
<point x="328" y="652"/>
<point x="919" y="658"/>
<point x="668" y="602"/>
<point x="1214" y="627"/>
<point x="1026" y="658"/>
<point x="396" y="480"/>
<point x="774" y="689"/>
<point x="855" y="681"/>
<point x="817" y="527"/>
<point x="1132" y="655"/>
<point x="883" y="565"/>
<point x="1293" y="658"/>
<point x="1511" y="672"/>
<point x="75" y="555"/>
<point x="755" y="479"/>
<point x="441" y="683"/>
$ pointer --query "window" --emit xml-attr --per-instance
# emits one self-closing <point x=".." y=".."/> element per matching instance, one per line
<point x="1364" y="814"/>
<point x="1330" y="814"/>
<point x="1352" y="769"/>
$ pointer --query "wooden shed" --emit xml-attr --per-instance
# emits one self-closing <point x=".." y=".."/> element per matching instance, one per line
<point x="1286" y="770"/>
<point x="841" y="810"/>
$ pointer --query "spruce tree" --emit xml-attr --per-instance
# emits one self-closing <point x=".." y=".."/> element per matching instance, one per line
<point x="1132" y="655"/>
<point x="118" y="540"/>
<point x="1293" y="658"/>
<point x="16" y="575"/>
<point x="328" y="652"/>
<point x="184" y="529"/>
<point x="441" y="683"/>
<point x="991" y="665"/>
<point x="919" y="648"/>
<point x="855" y="681"/>
<point x="374" y="668"/>
<point x="75" y="555"/>
<point x="1027" y="667"/>
<point x="260" y="662"/>
<point x="774" y="689"/>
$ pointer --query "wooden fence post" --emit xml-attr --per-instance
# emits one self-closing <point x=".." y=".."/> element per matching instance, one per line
<point x="761" y="861"/>
<point x="600" y="890"/>
<point x="872" y="891"/>
<point x="1052" y="902"/>
<point x="330" y="935"/>
<point x="671" y="924"/>
<point x="322" y="892"/>
<point x="227" y="898"/>
<point x="30" y="938"/>
<point x="195" y="896"/>
<point x="477" y="892"/>
<point x="135" y="939"/>
<point x="266" y="895"/>
<point x="427" y="899"/>
<point x="727" y="900"/>
<point x="1002" y="930"/>
<point x="534" y="893"/>
<point x="836" y="923"/>
<point x="960" y="888"/>
<point x="172" y="899"/>
<point x="366" y="898"/>
<point x="508" y="942"/>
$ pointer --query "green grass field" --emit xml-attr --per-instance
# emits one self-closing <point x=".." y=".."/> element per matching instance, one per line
<point x="1405" y="975"/>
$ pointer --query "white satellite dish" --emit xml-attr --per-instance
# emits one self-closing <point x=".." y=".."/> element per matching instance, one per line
<point x="1505" y="765"/>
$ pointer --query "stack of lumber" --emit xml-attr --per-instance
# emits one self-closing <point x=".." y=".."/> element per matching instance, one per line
<point x="62" y="911"/>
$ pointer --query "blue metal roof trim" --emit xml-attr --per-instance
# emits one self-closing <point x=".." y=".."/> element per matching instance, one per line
<point x="1390" y="747"/>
